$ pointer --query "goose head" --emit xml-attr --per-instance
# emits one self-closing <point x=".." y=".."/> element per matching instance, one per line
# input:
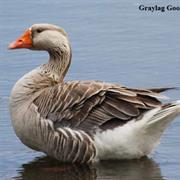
<point x="49" y="38"/>
<point x="43" y="37"/>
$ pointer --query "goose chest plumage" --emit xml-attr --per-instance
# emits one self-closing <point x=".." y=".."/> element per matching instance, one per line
<point x="82" y="121"/>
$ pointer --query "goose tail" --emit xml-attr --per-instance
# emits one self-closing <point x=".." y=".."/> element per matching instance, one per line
<point x="159" y="118"/>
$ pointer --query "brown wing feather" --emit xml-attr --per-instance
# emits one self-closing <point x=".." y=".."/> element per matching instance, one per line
<point x="91" y="104"/>
<point x="159" y="90"/>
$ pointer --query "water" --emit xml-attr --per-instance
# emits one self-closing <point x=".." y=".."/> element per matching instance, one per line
<point x="111" y="41"/>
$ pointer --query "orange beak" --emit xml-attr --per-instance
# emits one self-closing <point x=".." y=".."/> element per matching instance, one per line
<point x="24" y="41"/>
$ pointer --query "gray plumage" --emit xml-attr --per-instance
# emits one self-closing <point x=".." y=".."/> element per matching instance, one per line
<point x="61" y="118"/>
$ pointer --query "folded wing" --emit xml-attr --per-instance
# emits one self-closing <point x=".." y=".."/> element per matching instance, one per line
<point x="89" y="105"/>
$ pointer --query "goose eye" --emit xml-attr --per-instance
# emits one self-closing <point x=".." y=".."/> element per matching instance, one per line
<point x="39" y="30"/>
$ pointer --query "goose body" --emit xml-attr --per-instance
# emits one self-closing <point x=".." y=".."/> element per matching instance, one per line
<point x="82" y="121"/>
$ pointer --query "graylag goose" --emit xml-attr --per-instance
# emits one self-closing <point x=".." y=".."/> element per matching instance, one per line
<point x="82" y="121"/>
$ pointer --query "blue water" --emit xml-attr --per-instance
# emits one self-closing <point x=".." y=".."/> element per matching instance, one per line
<point x="111" y="41"/>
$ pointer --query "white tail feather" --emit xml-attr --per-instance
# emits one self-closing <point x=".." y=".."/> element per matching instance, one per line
<point x="172" y="110"/>
<point x="160" y="118"/>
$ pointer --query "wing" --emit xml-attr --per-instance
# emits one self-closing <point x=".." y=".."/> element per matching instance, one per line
<point x="88" y="105"/>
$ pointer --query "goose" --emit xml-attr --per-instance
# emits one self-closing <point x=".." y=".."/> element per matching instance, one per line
<point x="82" y="121"/>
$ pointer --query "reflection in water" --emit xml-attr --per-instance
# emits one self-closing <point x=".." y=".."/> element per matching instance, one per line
<point x="50" y="169"/>
<point x="46" y="168"/>
<point x="142" y="169"/>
